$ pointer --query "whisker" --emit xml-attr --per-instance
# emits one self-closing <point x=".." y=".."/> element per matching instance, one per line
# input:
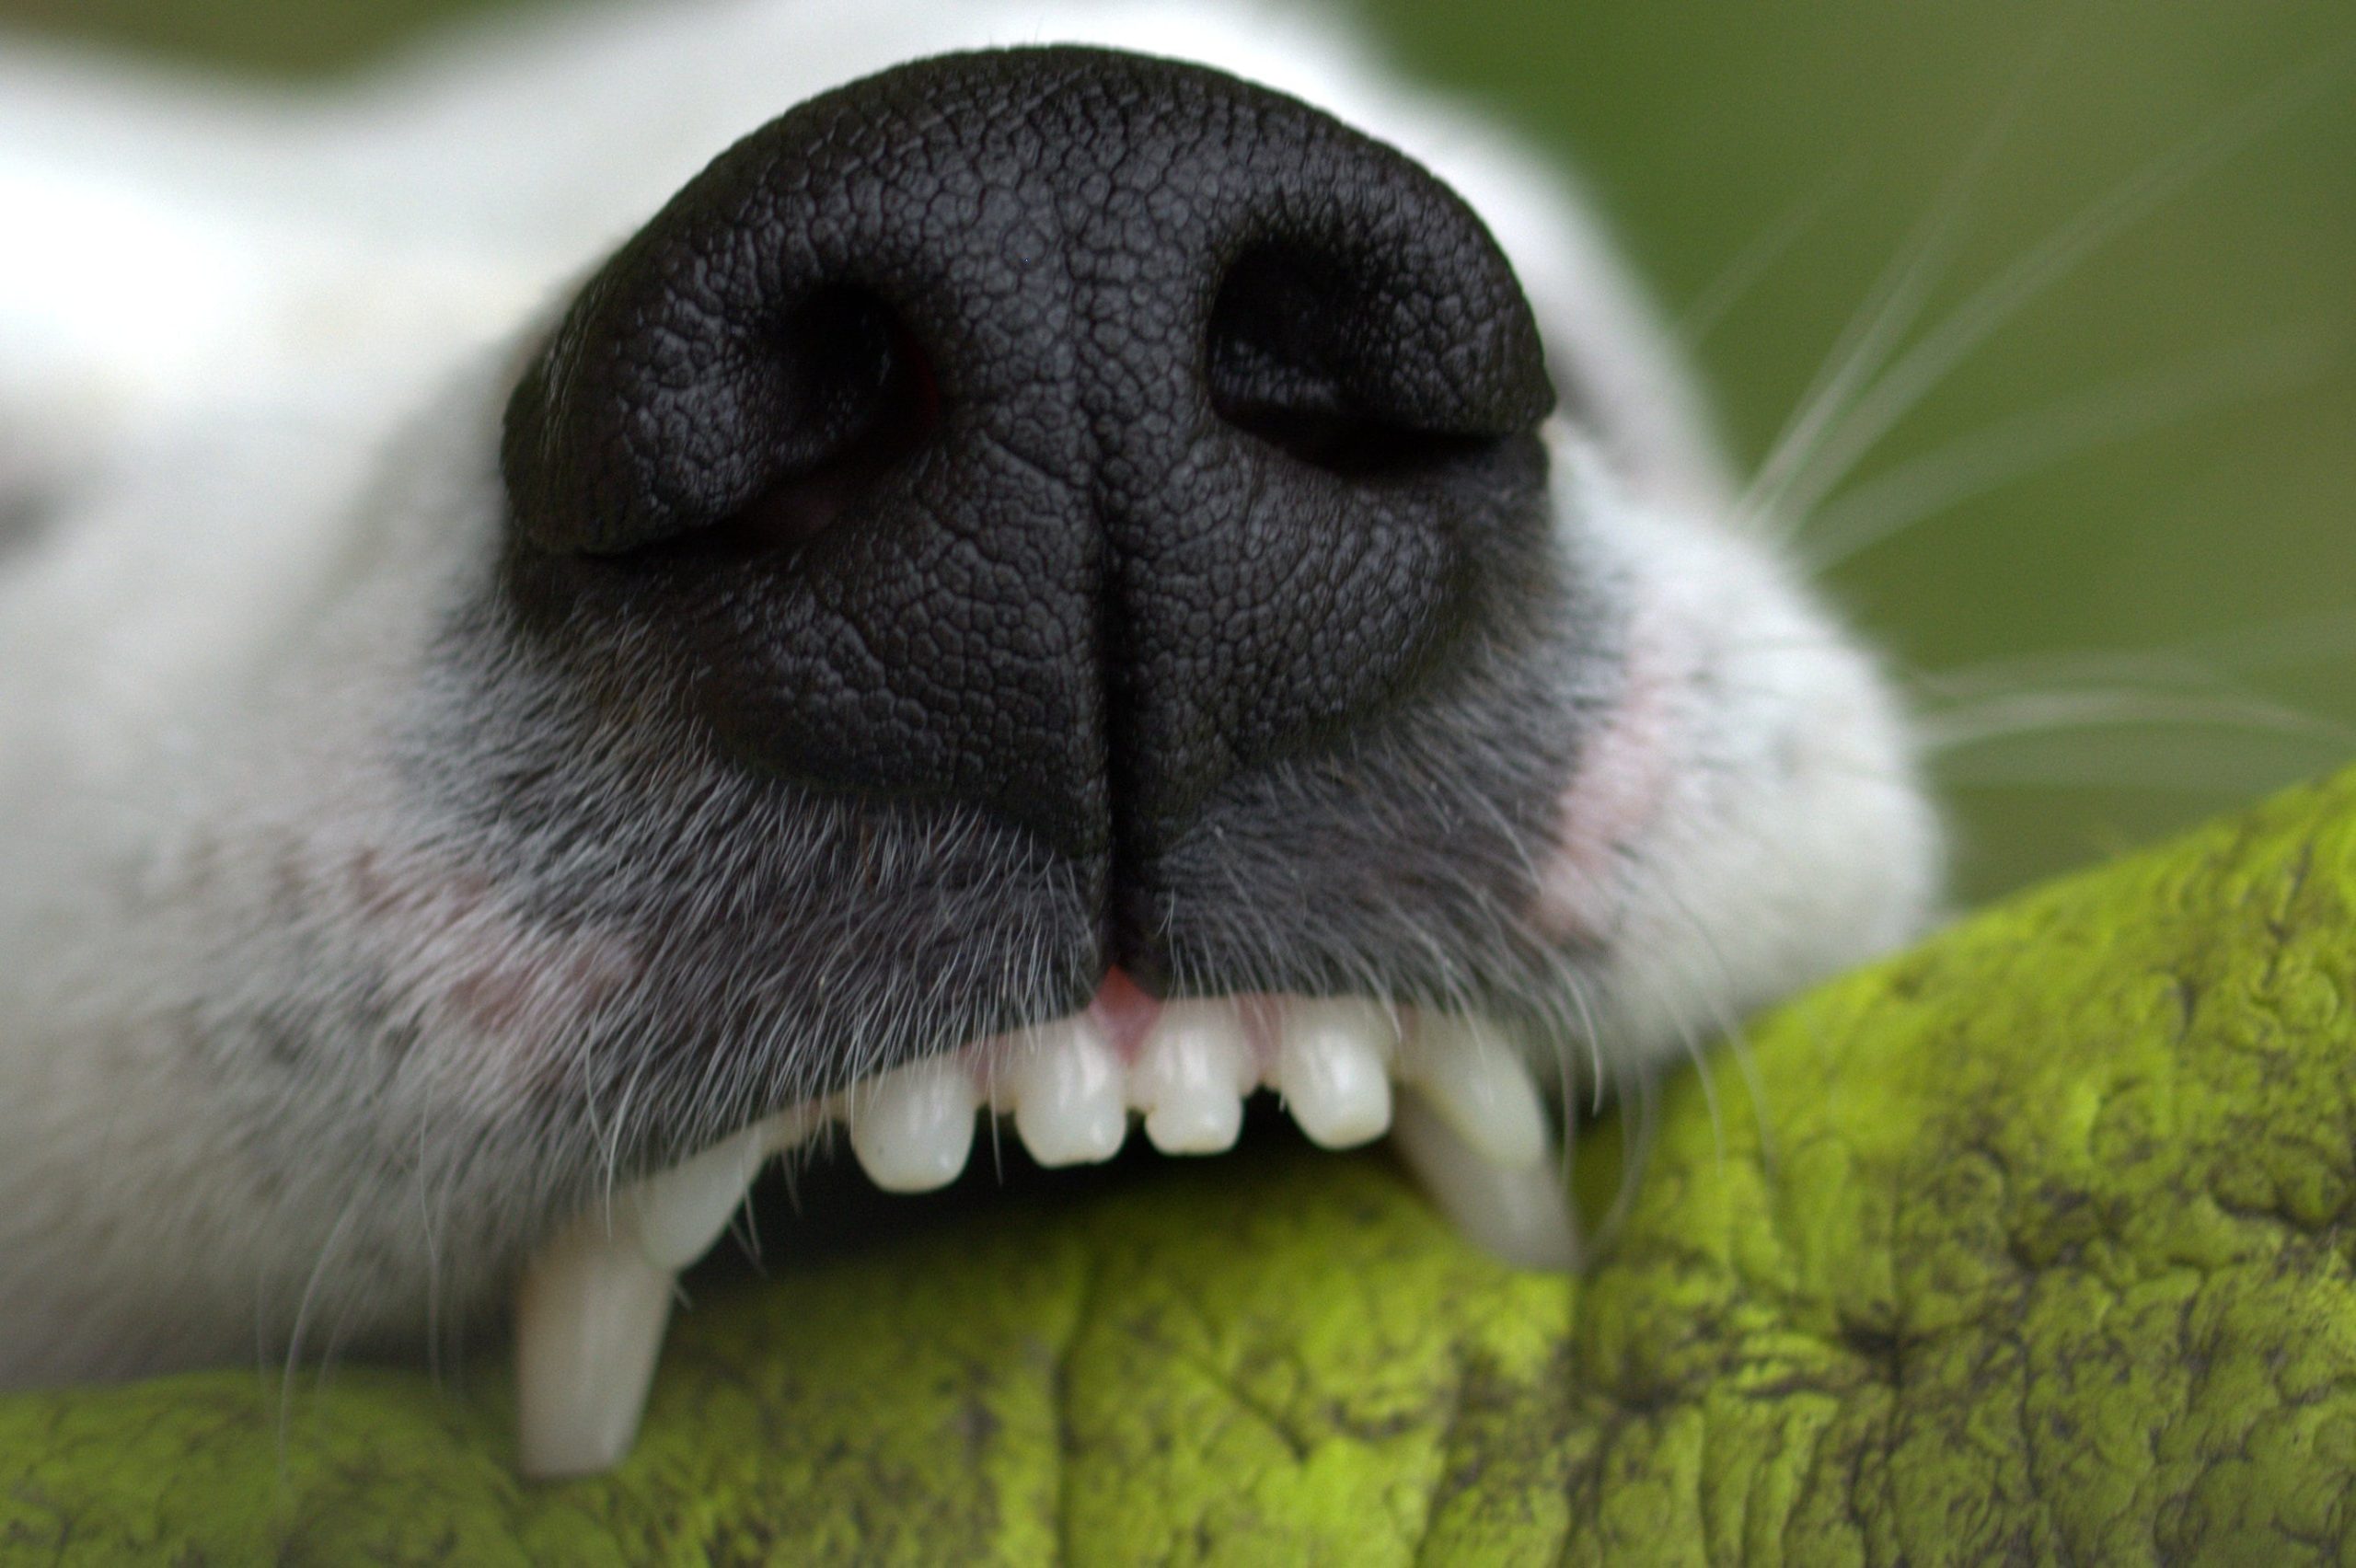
<point x="1635" y="1155"/>
<point x="1730" y="1028"/>
<point x="1923" y="367"/>
<point x="2286" y="643"/>
<point x="1992" y="719"/>
<point x="1998" y="454"/>
<point x="2012" y="674"/>
<point x="1890" y="309"/>
<point x="1746" y="1062"/>
<point x="1583" y="1005"/>
<point x="1691" y="1041"/>
<point x="1965" y="716"/>
<point x="2193" y="775"/>
<point x="1890" y="306"/>
<point x="294" y="1358"/>
<point x="1709" y="307"/>
<point x="429" y="1204"/>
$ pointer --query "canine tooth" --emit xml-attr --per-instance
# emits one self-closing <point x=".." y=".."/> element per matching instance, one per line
<point x="913" y="1130"/>
<point x="1191" y="1076"/>
<point x="1520" y="1215"/>
<point x="1475" y="1078"/>
<point x="1069" y="1103"/>
<point x="589" y="1320"/>
<point x="592" y="1304"/>
<point x="682" y="1211"/>
<point x="1332" y="1066"/>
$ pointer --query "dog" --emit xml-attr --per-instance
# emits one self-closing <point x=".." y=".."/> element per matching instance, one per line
<point x="584" y="614"/>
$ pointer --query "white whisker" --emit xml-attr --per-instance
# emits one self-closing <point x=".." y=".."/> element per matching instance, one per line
<point x="1751" y="262"/>
<point x="1999" y="717"/>
<point x="1883" y="317"/>
<point x="1929" y="362"/>
<point x="294" y="1358"/>
<point x="1996" y="454"/>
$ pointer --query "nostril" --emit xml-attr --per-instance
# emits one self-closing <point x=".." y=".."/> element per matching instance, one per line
<point x="663" y="419"/>
<point x="1294" y="357"/>
<point x="859" y="397"/>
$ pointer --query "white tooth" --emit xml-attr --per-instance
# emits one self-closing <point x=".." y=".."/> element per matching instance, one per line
<point x="591" y="1306"/>
<point x="1520" y="1215"/>
<point x="1068" y="1093"/>
<point x="1332" y="1066"/>
<point x="913" y="1130"/>
<point x="1474" y="1076"/>
<point x="682" y="1211"/>
<point x="589" y="1320"/>
<point x="1191" y="1076"/>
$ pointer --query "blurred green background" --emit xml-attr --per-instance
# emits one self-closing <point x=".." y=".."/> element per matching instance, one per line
<point x="2146" y="582"/>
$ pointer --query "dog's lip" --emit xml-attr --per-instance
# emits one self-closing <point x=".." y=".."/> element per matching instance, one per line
<point x="1469" y="1116"/>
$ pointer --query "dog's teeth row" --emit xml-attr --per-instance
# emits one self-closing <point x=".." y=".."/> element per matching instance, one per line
<point x="1469" y="1123"/>
<point x="1071" y="1091"/>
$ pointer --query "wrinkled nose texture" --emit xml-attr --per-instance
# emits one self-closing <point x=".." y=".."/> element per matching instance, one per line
<point x="1055" y="432"/>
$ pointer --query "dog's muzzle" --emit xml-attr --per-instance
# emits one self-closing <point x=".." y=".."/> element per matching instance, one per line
<point x="1056" y="433"/>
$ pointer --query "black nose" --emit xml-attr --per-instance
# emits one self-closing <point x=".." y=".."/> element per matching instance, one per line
<point x="1055" y="432"/>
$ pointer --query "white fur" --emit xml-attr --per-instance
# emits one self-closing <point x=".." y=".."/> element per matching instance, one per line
<point x="253" y="352"/>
